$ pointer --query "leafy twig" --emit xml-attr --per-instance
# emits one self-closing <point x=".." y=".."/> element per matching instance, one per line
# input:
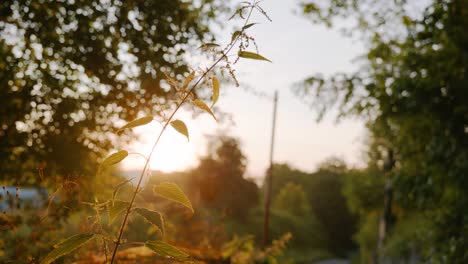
<point x="168" y="121"/>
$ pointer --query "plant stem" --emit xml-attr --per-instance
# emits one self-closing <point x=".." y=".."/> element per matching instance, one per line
<point x="184" y="99"/>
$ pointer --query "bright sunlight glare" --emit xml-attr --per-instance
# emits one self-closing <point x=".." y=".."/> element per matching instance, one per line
<point x="174" y="152"/>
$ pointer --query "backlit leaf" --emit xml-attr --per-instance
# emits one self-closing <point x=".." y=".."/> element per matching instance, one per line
<point x="248" y="26"/>
<point x="115" y="208"/>
<point x="252" y="55"/>
<point x="188" y="80"/>
<point x="112" y="159"/>
<point x="155" y="218"/>
<point x="67" y="246"/>
<point x="180" y="127"/>
<point x="163" y="249"/>
<point x="208" y="45"/>
<point x="215" y="90"/>
<point x="234" y="35"/>
<point x="120" y="185"/>
<point x="137" y="122"/>
<point x="172" y="192"/>
<point x="203" y="106"/>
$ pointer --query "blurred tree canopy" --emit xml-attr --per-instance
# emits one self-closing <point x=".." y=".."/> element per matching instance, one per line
<point x="292" y="199"/>
<point x="412" y="88"/>
<point x="70" y="70"/>
<point x="324" y="197"/>
<point x="221" y="182"/>
<point x="364" y="196"/>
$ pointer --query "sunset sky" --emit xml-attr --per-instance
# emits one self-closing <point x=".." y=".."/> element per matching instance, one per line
<point x="298" y="49"/>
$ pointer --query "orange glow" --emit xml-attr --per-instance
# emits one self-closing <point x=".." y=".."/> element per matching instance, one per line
<point x="173" y="153"/>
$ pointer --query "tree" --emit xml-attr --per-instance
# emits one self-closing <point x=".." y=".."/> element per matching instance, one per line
<point x="412" y="90"/>
<point x="292" y="199"/>
<point x="220" y="180"/>
<point x="362" y="189"/>
<point x="69" y="71"/>
<point x="284" y="174"/>
<point x="323" y="190"/>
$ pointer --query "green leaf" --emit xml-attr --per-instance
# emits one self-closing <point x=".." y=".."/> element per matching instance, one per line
<point x="208" y="45"/>
<point x="113" y="159"/>
<point x="215" y="90"/>
<point x="137" y="122"/>
<point x="248" y="26"/>
<point x="180" y="127"/>
<point x="163" y="249"/>
<point x="118" y="186"/>
<point x="67" y="246"/>
<point x="252" y="55"/>
<point x="188" y="80"/>
<point x="172" y="192"/>
<point x="155" y="218"/>
<point x="203" y="106"/>
<point x="115" y="208"/>
<point x="235" y="34"/>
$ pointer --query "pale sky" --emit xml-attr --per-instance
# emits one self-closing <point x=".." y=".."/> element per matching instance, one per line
<point x="298" y="49"/>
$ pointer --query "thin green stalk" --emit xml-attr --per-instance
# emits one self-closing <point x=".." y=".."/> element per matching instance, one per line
<point x="184" y="99"/>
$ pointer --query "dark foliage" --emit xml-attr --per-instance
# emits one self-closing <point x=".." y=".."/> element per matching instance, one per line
<point x="413" y="90"/>
<point x="221" y="182"/>
<point x="70" y="70"/>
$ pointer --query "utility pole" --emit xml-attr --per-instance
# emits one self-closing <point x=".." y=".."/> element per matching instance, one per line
<point x="387" y="219"/>
<point x="269" y="179"/>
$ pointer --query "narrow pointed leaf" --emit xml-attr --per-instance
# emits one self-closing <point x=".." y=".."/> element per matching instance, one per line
<point x="115" y="208"/>
<point x="113" y="159"/>
<point x="204" y="107"/>
<point x="172" y="192"/>
<point x="163" y="249"/>
<point x="153" y="217"/>
<point x="137" y="122"/>
<point x="67" y="246"/>
<point x="188" y="80"/>
<point x="234" y="35"/>
<point x="180" y="127"/>
<point x="208" y="45"/>
<point x="248" y="26"/>
<point x="252" y="55"/>
<point x="215" y="90"/>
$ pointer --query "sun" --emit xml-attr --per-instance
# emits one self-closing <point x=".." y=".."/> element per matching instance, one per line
<point x="173" y="153"/>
